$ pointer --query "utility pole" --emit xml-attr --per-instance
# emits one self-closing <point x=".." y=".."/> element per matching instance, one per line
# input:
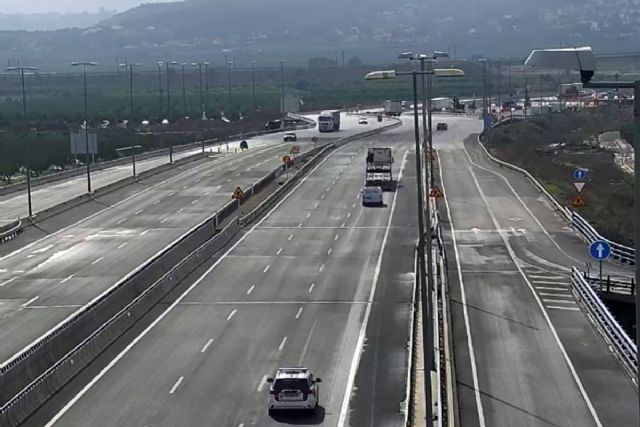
<point x="206" y="82"/>
<point x="84" y="66"/>
<point x="184" y="91"/>
<point x="229" y="64"/>
<point x="160" y="88"/>
<point x="282" y="90"/>
<point x="253" y="84"/>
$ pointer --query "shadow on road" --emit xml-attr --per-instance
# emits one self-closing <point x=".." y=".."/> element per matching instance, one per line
<point x="300" y="418"/>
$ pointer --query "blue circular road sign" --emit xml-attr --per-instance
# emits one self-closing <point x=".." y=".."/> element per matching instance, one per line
<point x="600" y="250"/>
<point x="580" y="174"/>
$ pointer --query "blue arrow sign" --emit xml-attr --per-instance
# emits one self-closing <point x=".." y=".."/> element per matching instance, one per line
<point x="600" y="250"/>
<point x="580" y="174"/>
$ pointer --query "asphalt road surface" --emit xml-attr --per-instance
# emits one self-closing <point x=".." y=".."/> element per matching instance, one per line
<point x="526" y="354"/>
<point x="44" y="282"/>
<point x="15" y="205"/>
<point x="308" y="285"/>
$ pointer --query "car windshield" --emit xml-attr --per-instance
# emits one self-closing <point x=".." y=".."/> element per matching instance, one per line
<point x="291" y="384"/>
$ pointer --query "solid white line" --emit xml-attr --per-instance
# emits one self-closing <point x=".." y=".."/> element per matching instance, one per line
<point x="97" y="261"/>
<point x="121" y="221"/>
<point x="169" y="309"/>
<point x="66" y="279"/>
<point x="290" y="237"/>
<point x="250" y="289"/>
<point x="552" y="328"/>
<point x="311" y="287"/>
<point x="321" y="269"/>
<point x="176" y="385"/>
<point x="263" y="382"/>
<point x="8" y="281"/>
<point x="231" y="314"/>
<point x="138" y="212"/>
<point x="206" y="346"/>
<point x="281" y="346"/>
<point x="465" y="311"/>
<point x="344" y="411"/>
<point x="556" y="307"/>
<point x="266" y="268"/>
<point x="30" y="301"/>
<point x="299" y="313"/>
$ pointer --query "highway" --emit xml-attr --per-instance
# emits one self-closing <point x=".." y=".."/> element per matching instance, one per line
<point x="310" y="284"/>
<point x="525" y="353"/>
<point x="47" y="280"/>
<point x="15" y="205"/>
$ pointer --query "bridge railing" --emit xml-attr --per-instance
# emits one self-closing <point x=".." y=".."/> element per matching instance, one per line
<point x="619" y="252"/>
<point x="607" y="325"/>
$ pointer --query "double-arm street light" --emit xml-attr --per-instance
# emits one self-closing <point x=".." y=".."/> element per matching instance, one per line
<point x="84" y="65"/>
<point x="583" y="60"/>
<point x="425" y="291"/>
<point x="24" y="113"/>
<point x="130" y="67"/>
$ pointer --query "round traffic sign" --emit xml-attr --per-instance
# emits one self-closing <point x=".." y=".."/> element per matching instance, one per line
<point x="600" y="250"/>
<point x="580" y="174"/>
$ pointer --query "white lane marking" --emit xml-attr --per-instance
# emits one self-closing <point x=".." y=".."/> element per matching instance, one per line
<point x="173" y="193"/>
<point x="552" y="328"/>
<point x="321" y="269"/>
<point x="557" y="307"/>
<point x="308" y="214"/>
<point x="156" y="202"/>
<point x="328" y="189"/>
<point x="344" y="411"/>
<point x="337" y="237"/>
<point x="239" y="173"/>
<point x="556" y="294"/>
<point x="465" y="312"/>
<point x="349" y="215"/>
<point x="139" y="211"/>
<point x="311" y="287"/>
<point x="176" y="385"/>
<point x="175" y="303"/>
<point x="207" y="193"/>
<point x="263" y="382"/>
<point x="194" y="202"/>
<point x="323" y="196"/>
<point x="66" y="279"/>
<point x="558" y="301"/>
<point x="251" y="289"/>
<point x="30" y="301"/>
<point x="353" y="205"/>
<point x="164" y="220"/>
<point x="329" y="251"/>
<point x="315" y="205"/>
<point x="142" y="233"/>
<point x="97" y="261"/>
<point x="535" y="276"/>
<point x="121" y="221"/>
<point x="290" y="237"/>
<point x="547" y="282"/>
<point x="229" y="180"/>
<point x="282" y="343"/>
<point x="557" y="288"/>
<point x="185" y="187"/>
<point x="6" y="282"/>
<point x="300" y="225"/>
<point x="279" y="252"/>
<point x="198" y="180"/>
<point x="233" y="313"/>
<point x="299" y="313"/>
<point x="266" y="268"/>
<point x="180" y="210"/>
<point x="206" y="346"/>
<point x="42" y="250"/>
<point x="342" y="225"/>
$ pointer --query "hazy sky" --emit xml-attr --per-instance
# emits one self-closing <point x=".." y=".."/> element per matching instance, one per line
<point x="29" y="6"/>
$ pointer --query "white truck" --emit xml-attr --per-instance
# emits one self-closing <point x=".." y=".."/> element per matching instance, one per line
<point x="441" y="104"/>
<point x="392" y="108"/>
<point x="379" y="170"/>
<point x="329" y="121"/>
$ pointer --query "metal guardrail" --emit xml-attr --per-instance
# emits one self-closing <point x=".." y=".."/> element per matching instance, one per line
<point x="611" y="285"/>
<point x="619" y="252"/>
<point x="10" y="231"/>
<point x="607" y="324"/>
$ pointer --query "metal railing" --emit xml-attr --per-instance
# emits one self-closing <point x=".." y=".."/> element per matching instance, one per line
<point x="619" y="252"/>
<point x="610" y="284"/>
<point x="10" y="231"/>
<point x="609" y="327"/>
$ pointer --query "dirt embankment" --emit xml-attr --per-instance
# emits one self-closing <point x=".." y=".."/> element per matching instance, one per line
<point x="609" y="190"/>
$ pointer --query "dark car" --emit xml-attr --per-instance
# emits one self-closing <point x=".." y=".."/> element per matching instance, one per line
<point x="442" y="126"/>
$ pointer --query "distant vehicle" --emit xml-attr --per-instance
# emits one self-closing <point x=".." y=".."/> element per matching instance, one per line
<point x="293" y="389"/>
<point x="393" y="108"/>
<point x="441" y="104"/>
<point x="363" y="121"/>
<point x="244" y="145"/>
<point x="372" y="196"/>
<point x="329" y="121"/>
<point x="289" y="137"/>
<point x="442" y="126"/>
<point x="379" y="171"/>
<point x="273" y="125"/>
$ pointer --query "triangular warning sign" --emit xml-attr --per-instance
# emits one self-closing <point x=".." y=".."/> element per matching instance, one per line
<point x="435" y="192"/>
<point x="579" y="186"/>
<point x="238" y="194"/>
<point x="579" y="202"/>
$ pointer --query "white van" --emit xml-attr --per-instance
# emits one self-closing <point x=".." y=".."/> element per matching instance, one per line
<point x="372" y="196"/>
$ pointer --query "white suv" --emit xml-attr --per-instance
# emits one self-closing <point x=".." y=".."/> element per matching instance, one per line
<point x="293" y="389"/>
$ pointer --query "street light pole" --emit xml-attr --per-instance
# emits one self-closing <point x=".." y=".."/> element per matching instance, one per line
<point x="160" y="88"/>
<point x="86" y="117"/>
<point x="253" y="83"/>
<point x="229" y="64"/>
<point x="184" y="92"/>
<point x="24" y="114"/>
<point x="206" y="85"/>
<point x="282" y="90"/>
<point x="130" y="67"/>
<point x="199" y="65"/>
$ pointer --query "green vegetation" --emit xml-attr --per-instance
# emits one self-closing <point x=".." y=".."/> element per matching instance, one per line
<point x="609" y="191"/>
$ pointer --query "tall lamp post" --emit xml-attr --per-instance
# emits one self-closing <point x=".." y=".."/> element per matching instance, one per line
<point x="253" y="83"/>
<point x="583" y="60"/>
<point x="24" y="113"/>
<point x="167" y="68"/>
<point x="229" y="64"/>
<point x="200" y="65"/>
<point x="282" y="105"/>
<point x="392" y="74"/>
<point x="130" y="67"/>
<point x="84" y="65"/>
<point x="184" y="90"/>
<point x="160" y="64"/>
